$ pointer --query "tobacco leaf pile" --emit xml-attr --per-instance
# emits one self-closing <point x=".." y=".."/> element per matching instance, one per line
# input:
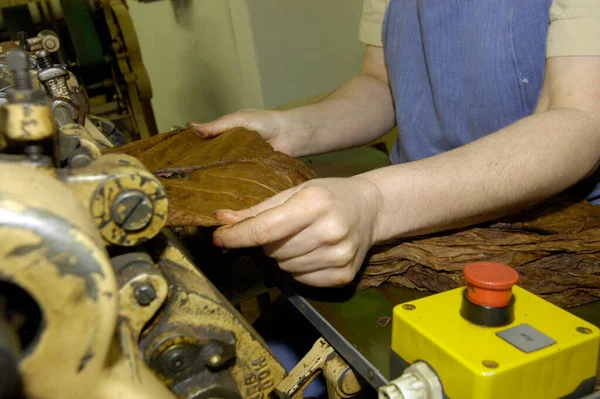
<point x="235" y="170"/>
<point x="555" y="246"/>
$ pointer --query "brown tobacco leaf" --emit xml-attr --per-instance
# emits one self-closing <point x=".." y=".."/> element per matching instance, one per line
<point x="235" y="170"/>
<point x="554" y="247"/>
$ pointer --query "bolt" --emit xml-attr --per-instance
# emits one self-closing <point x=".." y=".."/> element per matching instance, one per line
<point x="370" y="374"/>
<point x="490" y="364"/>
<point x="34" y="152"/>
<point x="50" y="43"/>
<point x="583" y="330"/>
<point x="79" y="159"/>
<point x="44" y="59"/>
<point x="22" y="39"/>
<point x="175" y="359"/>
<point x="132" y="210"/>
<point x="145" y="294"/>
<point x="18" y="62"/>
<point x="408" y="306"/>
<point x="215" y="361"/>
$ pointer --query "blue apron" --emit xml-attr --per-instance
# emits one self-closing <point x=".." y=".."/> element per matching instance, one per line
<point x="462" y="69"/>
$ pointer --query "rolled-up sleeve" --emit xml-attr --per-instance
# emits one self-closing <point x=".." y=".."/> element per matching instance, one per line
<point x="574" y="28"/>
<point x="371" y="23"/>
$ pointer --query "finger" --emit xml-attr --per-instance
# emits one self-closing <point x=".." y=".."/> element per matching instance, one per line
<point x="218" y="126"/>
<point x="269" y="226"/>
<point x="230" y="216"/>
<point x="336" y="277"/>
<point x="323" y="233"/>
<point x="334" y="256"/>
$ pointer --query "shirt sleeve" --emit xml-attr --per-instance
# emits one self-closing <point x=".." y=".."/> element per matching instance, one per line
<point x="574" y="28"/>
<point x="371" y="23"/>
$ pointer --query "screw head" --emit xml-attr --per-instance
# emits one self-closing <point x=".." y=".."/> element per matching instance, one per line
<point x="490" y="364"/>
<point x="145" y="294"/>
<point x="584" y="330"/>
<point x="409" y="306"/>
<point x="176" y="360"/>
<point x="132" y="210"/>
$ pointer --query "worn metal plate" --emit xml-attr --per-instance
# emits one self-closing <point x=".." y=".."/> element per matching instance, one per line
<point x="526" y="338"/>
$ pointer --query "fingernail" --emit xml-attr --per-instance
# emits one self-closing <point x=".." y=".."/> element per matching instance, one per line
<point x="217" y="242"/>
<point x="216" y="213"/>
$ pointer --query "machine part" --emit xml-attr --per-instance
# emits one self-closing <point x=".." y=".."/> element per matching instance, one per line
<point x="52" y="250"/>
<point x="45" y="40"/>
<point x="54" y="78"/>
<point x="78" y="157"/>
<point x="86" y="141"/>
<point x="486" y="315"/>
<point x="145" y="294"/>
<point x="64" y="111"/>
<point x="418" y="381"/>
<point x="342" y="382"/>
<point x="142" y="290"/>
<point x="359" y="363"/>
<point x="489" y="284"/>
<point x="18" y="62"/>
<point x="50" y="43"/>
<point x="100" y="183"/>
<point x="28" y="122"/>
<point x="44" y="59"/>
<point x="129" y="209"/>
<point x="131" y="66"/>
<point x="184" y="362"/>
<point x="197" y="318"/>
<point x="132" y="210"/>
<point x="22" y="91"/>
<point x="475" y="362"/>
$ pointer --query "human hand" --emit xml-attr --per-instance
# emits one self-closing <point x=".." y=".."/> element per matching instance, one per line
<point x="279" y="128"/>
<point x="319" y="231"/>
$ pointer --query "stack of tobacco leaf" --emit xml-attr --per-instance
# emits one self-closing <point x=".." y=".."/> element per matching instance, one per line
<point x="233" y="171"/>
<point x="555" y="246"/>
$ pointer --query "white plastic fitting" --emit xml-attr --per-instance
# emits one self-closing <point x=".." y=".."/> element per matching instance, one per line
<point x="418" y="381"/>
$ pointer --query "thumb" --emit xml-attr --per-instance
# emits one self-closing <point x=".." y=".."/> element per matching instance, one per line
<point x="217" y="126"/>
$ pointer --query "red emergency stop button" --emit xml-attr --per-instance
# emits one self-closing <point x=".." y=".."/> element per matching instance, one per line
<point x="490" y="284"/>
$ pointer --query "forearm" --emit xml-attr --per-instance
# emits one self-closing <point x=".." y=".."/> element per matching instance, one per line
<point x="357" y="113"/>
<point x="524" y="163"/>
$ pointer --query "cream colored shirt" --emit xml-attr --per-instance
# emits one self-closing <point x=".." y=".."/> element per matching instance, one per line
<point x="574" y="26"/>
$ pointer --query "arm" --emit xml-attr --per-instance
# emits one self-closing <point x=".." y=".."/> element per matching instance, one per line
<point x="320" y="231"/>
<point x="533" y="159"/>
<point x="357" y="113"/>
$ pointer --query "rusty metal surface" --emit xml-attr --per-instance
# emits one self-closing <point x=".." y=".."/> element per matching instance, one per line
<point x="215" y="345"/>
<point x="55" y="256"/>
<point x="342" y="382"/>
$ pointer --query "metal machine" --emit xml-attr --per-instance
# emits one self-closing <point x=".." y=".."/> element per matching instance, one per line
<point x="98" y="44"/>
<point x="97" y="299"/>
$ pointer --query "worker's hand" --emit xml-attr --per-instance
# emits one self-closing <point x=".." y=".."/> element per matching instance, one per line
<point x="319" y="231"/>
<point x="278" y="128"/>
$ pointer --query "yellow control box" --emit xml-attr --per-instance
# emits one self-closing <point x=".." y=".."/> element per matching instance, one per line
<point x="544" y="353"/>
